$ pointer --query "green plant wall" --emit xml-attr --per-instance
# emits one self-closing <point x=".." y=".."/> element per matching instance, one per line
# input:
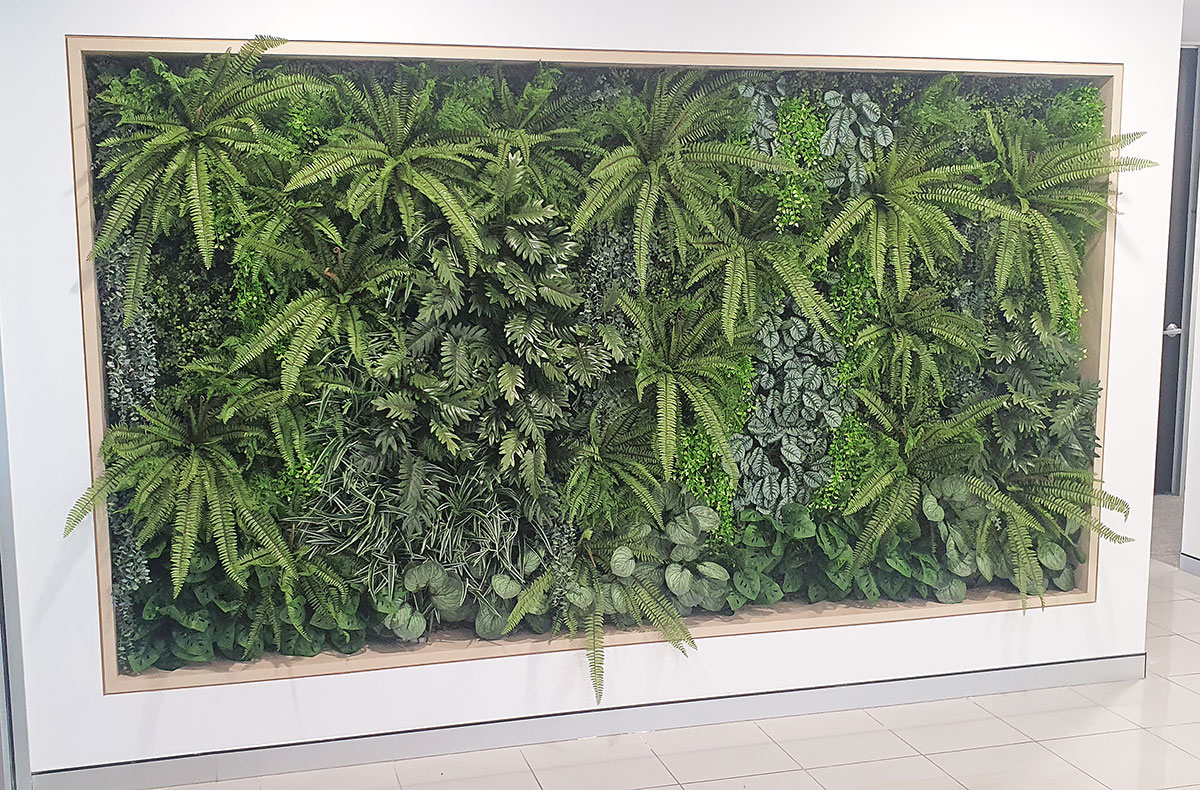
<point x="392" y="348"/>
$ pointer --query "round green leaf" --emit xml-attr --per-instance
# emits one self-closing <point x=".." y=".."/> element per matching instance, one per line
<point x="506" y="586"/>
<point x="1052" y="555"/>
<point x="679" y="579"/>
<point x="622" y="561"/>
<point x="713" y="571"/>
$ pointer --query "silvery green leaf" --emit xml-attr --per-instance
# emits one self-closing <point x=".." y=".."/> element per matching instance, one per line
<point x="828" y="142"/>
<point x="704" y="518"/>
<point x="490" y="624"/>
<point x="581" y="596"/>
<point x="858" y="97"/>
<point x="883" y="135"/>
<point x="622" y="562"/>
<point x="714" y="571"/>
<point x="870" y="109"/>
<point x="932" y="510"/>
<point x="679" y="578"/>
<point x="681" y="532"/>
<point x="407" y="624"/>
<point x="833" y="99"/>
<point x="857" y="173"/>
<point x="866" y="147"/>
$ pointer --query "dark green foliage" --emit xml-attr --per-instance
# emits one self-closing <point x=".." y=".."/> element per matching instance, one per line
<point x="436" y="346"/>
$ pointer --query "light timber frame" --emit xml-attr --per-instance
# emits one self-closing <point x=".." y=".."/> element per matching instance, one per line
<point x="460" y="646"/>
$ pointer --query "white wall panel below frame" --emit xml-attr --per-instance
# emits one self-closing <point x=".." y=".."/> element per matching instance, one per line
<point x="71" y="723"/>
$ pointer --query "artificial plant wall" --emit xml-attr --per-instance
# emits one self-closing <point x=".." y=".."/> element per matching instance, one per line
<point x="396" y="347"/>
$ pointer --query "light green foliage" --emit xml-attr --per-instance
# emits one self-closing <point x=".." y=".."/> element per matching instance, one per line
<point x="802" y="194"/>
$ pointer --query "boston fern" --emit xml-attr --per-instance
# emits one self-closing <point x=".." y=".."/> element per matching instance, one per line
<point x="185" y="469"/>
<point x="1035" y="503"/>
<point x="756" y="251"/>
<point x="673" y="166"/>
<point x="903" y="212"/>
<point x="686" y="361"/>
<point x="348" y="283"/>
<point x="393" y="159"/>
<point x="923" y="450"/>
<point x="200" y="142"/>
<point x="1044" y="190"/>
<point x="905" y="350"/>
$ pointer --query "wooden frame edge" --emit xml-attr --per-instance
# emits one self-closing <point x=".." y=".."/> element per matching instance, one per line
<point x="1097" y="291"/>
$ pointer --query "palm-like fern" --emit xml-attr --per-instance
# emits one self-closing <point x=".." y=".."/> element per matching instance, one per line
<point x="735" y="267"/>
<point x="202" y="140"/>
<point x="905" y="349"/>
<point x="535" y="125"/>
<point x="686" y="360"/>
<point x="591" y="583"/>
<point x="674" y="163"/>
<point x="903" y="213"/>
<point x="392" y="158"/>
<point x="618" y="456"/>
<point x="185" y="472"/>
<point x="348" y="284"/>
<point x="1041" y="189"/>
<point x="923" y="451"/>
<point x="1036" y="502"/>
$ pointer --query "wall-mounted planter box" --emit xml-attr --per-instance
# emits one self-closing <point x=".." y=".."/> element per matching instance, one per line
<point x="449" y="646"/>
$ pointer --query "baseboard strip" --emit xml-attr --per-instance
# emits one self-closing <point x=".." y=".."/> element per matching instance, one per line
<point x="308" y="756"/>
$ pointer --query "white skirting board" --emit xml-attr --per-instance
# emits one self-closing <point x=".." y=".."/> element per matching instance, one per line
<point x="519" y="732"/>
<point x="1189" y="564"/>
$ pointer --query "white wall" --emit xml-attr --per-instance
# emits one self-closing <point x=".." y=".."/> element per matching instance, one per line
<point x="71" y="723"/>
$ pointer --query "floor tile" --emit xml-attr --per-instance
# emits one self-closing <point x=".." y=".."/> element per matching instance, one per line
<point x="1134" y="760"/>
<point x="1048" y="724"/>
<point x="1172" y="655"/>
<point x="787" y="780"/>
<point x="1022" y="765"/>
<point x="921" y="713"/>
<point x="834" y="738"/>
<point x="497" y="768"/>
<point x="253" y="783"/>
<point x="1017" y="703"/>
<point x="377" y="776"/>
<point x="973" y="734"/>
<point x="720" y="751"/>
<point x="1182" y="617"/>
<point x="904" y="773"/>
<point x="1173" y="592"/>
<point x="1153" y="630"/>
<point x="1185" y="736"/>
<point x="621" y="762"/>
<point x="1153" y="702"/>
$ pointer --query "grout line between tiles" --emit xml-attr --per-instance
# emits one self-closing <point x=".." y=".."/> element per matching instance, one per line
<point x="536" y="779"/>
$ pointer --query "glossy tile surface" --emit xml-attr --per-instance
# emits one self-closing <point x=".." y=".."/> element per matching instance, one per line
<point x="1131" y="735"/>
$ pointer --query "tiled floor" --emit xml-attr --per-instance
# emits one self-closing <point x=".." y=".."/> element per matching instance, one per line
<point x="1135" y="735"/>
